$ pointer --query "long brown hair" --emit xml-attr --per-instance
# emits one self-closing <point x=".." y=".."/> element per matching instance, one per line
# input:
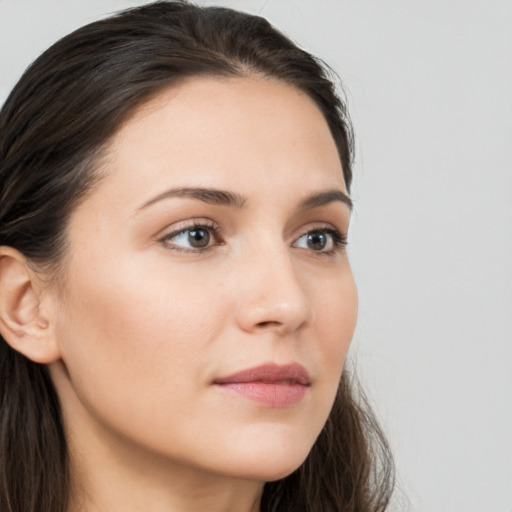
<point x="63" y="111"/>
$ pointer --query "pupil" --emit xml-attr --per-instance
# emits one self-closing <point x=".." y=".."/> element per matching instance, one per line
<point x="317" y="241"/>
<point x="199" y="237"/>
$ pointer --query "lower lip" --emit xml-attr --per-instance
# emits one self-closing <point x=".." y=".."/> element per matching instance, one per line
<point x="268" y="394"/>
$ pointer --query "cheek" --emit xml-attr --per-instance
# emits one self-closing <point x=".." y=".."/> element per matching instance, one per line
<point x="334" y="324"/>
<point x="336" y="316"/>
<point x="130" y="336"/>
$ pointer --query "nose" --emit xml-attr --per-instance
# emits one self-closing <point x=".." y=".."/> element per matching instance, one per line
<point x="272" y="295"/>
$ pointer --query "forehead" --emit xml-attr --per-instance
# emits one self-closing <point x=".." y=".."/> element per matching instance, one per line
<point x="241" y="132"/>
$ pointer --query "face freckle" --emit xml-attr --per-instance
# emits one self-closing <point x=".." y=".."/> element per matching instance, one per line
<point x="152" y="323"/>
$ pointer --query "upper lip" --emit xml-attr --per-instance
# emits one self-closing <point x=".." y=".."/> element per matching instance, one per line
<point x="270" y="373"/>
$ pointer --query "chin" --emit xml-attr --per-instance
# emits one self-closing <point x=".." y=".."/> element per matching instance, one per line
<point x="270" y="464"/>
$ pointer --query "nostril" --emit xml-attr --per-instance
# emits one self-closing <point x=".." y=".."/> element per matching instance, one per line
<point x="268" y="323"/>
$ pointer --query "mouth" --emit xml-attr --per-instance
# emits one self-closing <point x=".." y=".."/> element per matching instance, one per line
<point x="270" y="385"/>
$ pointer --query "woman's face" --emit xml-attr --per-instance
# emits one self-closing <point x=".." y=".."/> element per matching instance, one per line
<point x="208" y="301"/>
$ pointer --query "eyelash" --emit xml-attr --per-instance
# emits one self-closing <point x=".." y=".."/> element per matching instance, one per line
<point x="339" y="240"/>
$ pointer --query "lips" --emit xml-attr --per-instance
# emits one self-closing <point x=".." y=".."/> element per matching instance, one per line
<point x="270" y="385"/>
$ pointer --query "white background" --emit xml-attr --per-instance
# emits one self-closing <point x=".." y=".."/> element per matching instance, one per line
<point x="429" y="86"/>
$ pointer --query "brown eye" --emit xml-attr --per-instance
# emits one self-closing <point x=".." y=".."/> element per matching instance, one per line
<point x="325" y="240"/>
<point x="317" y="241"/>
<point x="195" y="238"/>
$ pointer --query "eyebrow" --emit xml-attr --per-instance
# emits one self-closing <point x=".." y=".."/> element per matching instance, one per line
<point x="206" y="195"/>
<point x="316" y="200"/>
<point x="234" y="200"/>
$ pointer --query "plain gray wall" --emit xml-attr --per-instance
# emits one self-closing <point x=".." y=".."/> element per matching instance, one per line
<point x="429" y="85"/>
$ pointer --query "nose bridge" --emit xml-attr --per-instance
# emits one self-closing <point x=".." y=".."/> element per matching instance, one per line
<point x="272" y="296"/>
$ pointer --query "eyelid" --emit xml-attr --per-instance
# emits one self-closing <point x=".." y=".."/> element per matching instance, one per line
<point x="327" y="227"/>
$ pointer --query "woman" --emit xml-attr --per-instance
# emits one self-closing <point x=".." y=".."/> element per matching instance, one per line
<point x="177" y="301"/>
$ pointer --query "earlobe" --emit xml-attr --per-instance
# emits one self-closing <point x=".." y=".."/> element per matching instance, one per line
<point x="24" y="323"/>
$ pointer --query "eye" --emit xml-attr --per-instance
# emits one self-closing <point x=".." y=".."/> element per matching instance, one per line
<point x="325" y="240"/>
<point x="195" y="238"/>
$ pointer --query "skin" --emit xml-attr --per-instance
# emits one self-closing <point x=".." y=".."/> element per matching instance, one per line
<point x="144" y="324"/>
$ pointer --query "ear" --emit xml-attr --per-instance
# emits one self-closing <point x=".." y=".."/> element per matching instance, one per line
<point x="24" y="323"/>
